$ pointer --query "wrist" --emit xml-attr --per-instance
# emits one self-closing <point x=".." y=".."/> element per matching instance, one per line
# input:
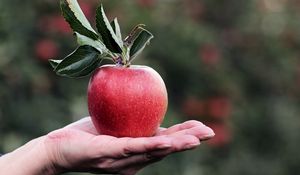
<point x="31" y="159"/>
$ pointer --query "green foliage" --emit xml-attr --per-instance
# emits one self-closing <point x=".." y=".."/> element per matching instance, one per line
<point x="83" y="61"/>
<point x="75" y="17"/>
<point x="109" y="37"/>
<point x="97" y="44"/>
<point x="54" y="63"/>
<point x="117" y="30"/>
<point x="139" y="43"/>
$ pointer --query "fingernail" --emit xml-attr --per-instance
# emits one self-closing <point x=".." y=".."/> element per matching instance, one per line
<point x="207" y="137"/>
<point x="208" y="132"/>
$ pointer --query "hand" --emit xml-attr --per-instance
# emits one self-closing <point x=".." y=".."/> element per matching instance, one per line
<point x="78" y="147"/>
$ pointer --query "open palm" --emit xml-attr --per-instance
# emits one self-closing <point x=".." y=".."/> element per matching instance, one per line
<point x="79" y="147"/>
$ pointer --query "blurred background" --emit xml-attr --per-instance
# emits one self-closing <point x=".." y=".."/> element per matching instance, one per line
<point x="234" y="65"/>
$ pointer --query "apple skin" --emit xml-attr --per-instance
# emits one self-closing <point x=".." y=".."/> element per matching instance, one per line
<point x="127" y="101"/>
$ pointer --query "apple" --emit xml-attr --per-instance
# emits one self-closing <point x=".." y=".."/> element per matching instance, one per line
<point x="210" y="54"/>
<point x="46" y="49"/>
<point x="219" y="107"/>
<point x="87" y="9"/>
<point x="193" y="107"/>
<point x="58" y="24"/>
<point x="127" y="101"/>
<point x="54" y="24"/>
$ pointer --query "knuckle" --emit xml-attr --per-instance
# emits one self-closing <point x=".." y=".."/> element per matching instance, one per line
<point x="151" y="158"/>
<point x="193" y="140"/>
<point x="102" y="147"/>
<point x="148" y="146"/>
<point x="58" y="135"/>
<point x="147" y="157"/>
<point x="179" y="126"/>
<point x="105" y="164"/>
<point x="127" y="149"/>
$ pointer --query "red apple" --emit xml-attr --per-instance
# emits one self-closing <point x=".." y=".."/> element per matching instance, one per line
<point x="127" y="101"/>
<point x="219" y="107"/>
<point x="193" y="107"/>
<point x="210" y="55"/>
<point x="86" y="7"/>
<point x="46" y="49"/>
<point x="55" y="24"/>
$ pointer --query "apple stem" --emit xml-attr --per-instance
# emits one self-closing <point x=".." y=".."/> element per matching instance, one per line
<point x="121" y="62"/>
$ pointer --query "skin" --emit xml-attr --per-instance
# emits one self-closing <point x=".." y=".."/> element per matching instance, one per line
<point x="79" y="148"/>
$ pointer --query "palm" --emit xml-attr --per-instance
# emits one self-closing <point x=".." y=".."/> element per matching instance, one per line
<point x="82" y="147"/>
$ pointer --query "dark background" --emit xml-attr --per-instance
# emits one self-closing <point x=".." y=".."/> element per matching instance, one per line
<point x="234" y="65"/>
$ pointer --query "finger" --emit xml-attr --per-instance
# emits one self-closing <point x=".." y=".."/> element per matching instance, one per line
<point x="130" y="146"/>
<point x="79" y="122"/>
<point x="128" y="166"/>
<point x="201" y="132"/>
<point x="160" y="129"/>
<point x="184" y="145"/>
<point x="179" y="143"/>
<point x="123" y="147"/>
<point x="143" y="161"/>
<point x="84" y="124"/>
<point x="135" y="162"/>
<point x="184" y="142"/>
<point x="179" y="127"/>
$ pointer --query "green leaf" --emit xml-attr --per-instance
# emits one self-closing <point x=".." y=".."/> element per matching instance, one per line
<point x="107" y="33"/>
<point x="97" y="44"/>
<point x="133" y="34"/>
<point x="80" y="63"/>
<point x="140" y="42"/>
<point x="88" y="70"/>
<point x="54" y="63"/>
<point x="116" y="27"/>
<point x="77" y="20"/>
